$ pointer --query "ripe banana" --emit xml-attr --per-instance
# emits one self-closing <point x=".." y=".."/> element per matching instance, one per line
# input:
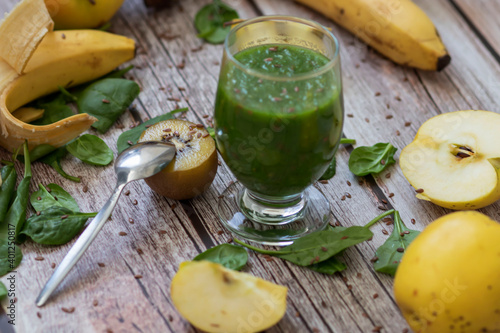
<point x="62" y="58"/>
<point x="398" y="29"/>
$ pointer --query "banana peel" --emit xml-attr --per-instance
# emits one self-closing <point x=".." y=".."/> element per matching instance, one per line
<point x="400" y="30"/>
<point x="61" y="58"/>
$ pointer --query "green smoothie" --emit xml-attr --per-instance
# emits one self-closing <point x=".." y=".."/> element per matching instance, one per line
<point x="277" y="126"/>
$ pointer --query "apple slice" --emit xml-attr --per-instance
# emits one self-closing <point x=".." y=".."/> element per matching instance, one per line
<point x="454" y="160"/>
<point x="216" y="299"/>
<point x="195" y="164"/>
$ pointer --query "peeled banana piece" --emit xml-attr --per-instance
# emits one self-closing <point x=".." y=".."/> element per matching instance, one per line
<point x="398" y="29"/>
<point x="61" y="58"/>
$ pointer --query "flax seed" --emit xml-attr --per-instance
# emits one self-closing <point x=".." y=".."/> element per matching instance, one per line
<point x="385" y="232"/>
<point x="413" y="221"/>
<point x="382" y="162"/>
<point x="350" y="115"/>
<point x="162" y="232"/>
<point x="398" y="133"/>
<point x="39" y="258"/>
<point x="135" y="202"/>
<point x="138" y="276"/>
<point x="38" y="213"/>
<point x="53" y="265"/>
<point x="324" y="181"/>
<point x="374" y="259"/>
<point x="39" y="315"/>
<point x="85" y="189"/>
<point x="105" y="101"/>
<point x="131" y="220"/>
<point x="375" y="296"/>
<point x="400" y="249"/>
<point x="101" y="264"/>
<point x="206" y="134"/>
<point x="349" y="287"/>
<point x="391" y="195"/>
<point x="348" y="195"/>
<point x="139" y="251"/>
<point x="324" y="249"/>
<point x="95" y="303"/>
<point x="377" y="94"/>
<point x="397" y="98"/>
<point x="68" y="310"/>
<point x="407" y="124"/>
<point x="130" y="143"/>
<point x="127" y="193"/>
<point x="420" y="190"/>
<point x="64" y="216"/>
<point x="377" y="329"/>
<point x="344" y="237"/>
<point x="122" y="233"/>
<point x="342" y="198"/>
<point x="389" y="116"/>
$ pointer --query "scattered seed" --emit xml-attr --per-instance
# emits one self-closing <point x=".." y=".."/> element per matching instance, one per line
<point x="39" y="198"/>
<point x="122" y="233"/>
<point x="139" y="251"/>
<point x="420" y="190"/>
<point x="391" y="195"/>
<point x="384" y="201"/>
<point x="39" y="258"/>
<point x="53" y="265"/>
<point x="68" y="310"/>
<point x="101" y="264"/>
<point x="277" y="99"/>
<point x="413" y="221"/>
<point x="388" y="175"/>
<point x="173" y="206"/>
<point x="85" y="189"/>
<point x="406" y="232"/>
<point x="64" y="216"/>
<point x="377" y="94"/>
<point x="138" y="276"/>
<point x="398" y="133"/>
<point x="385" y="232"/>
<point x="342" y="198"/>
<point x="348" y="183"/>
<point x="367" y="120"/>
<point x="359" y="275"/>
<point x="324" y="249"/>
<point x="206" y="134"/>
<point x="38" y="213"/>
<point x="389" y="116"/>
<point x="375" y="296"/>
<point x="348" y="195"/>
<point x="105" y="101"/>
<point x="374" y="259"/>
<point x="349" y="287"/>
<point x="406" y="330"/>
<point x="95" y="303"/>
<point x="130" y="142"/>
<point x="134" y="202"/>
<point x="397" y="98"/>
<point x="219" y="162"/>
<point x="400" y="249"/>
<point x="377" y="329"/>
<point x="39" y="315"/>
<point x="388" y="106"/>
<point x="127" y="193"/>
<point x="344" y="237"/>
<point x="408" y="123"/>
<point x="337" y="224"/>
<point x="167" y="130"/>
<point x="131" y="220"/>
<point x="324" y="181"/>
<point x="350" y="115"/>
<point x="382" y="162"/>
<point x="382" y="207"/>
<point x="364" y="315"/>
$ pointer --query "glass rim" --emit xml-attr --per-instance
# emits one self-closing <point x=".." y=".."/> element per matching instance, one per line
<point x="302" y="76"/>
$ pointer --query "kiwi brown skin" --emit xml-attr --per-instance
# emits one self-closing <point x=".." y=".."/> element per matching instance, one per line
<point x="181" y="181"/>
<point x="185" y="184"/>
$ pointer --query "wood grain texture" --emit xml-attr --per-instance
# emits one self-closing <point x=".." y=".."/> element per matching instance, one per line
<point x="111" y="298"/>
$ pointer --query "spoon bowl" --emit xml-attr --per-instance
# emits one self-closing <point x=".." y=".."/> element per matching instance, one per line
<point x="139" y="161"/>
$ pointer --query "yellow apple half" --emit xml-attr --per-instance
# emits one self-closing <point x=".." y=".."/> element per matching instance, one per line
<point x="449" y="277"/>
<point x="216" y="299"/>
<point x="454" y="160"/>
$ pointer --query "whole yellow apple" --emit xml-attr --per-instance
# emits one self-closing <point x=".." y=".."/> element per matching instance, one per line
<point x="448" y="280"/>
<point x="454" y="160"/>
<point x="82" y="14"/>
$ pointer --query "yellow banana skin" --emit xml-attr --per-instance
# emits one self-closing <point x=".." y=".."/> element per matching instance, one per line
<point x="63" y="58"/>
<point x="398" y="29"/>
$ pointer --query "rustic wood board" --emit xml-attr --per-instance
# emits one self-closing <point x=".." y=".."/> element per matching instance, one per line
<point x="317" y="303"/>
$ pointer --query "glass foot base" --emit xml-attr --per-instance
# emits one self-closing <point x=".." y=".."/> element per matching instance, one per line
<point x="268" y="224"/>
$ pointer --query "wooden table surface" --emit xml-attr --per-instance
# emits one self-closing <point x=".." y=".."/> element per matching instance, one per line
<point x="102" y="287"/>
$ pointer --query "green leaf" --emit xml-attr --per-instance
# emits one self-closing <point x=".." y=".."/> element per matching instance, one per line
<point x="134" y="134"/>
<point x="330" y="172"/>
<point x="41" y="151"/>
<point x="9" y="178"/>
<point x="388" y="255"/>
<point x="53" y="113"/>
<point x="55" y="225"/>
<point x="10" y="254"/>
<point x="3" y="291"/>
<point x="16" y="215"/>
<point x="318" y="246"/>
<point x="54" y="160"/>
<point x="43" y="199"/>
<point x="229" y="256"/>
<point x="209" y="21"/>
<point x="329" y="266"/>
<point x="91" y="150"/>
<point x="371" y="160"/>
<point x="107" y="100"/>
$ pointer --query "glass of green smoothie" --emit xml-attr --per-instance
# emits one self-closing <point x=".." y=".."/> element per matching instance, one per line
<point x="278" y="123"/>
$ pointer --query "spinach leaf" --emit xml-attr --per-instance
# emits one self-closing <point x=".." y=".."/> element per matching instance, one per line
<point x="54" y="160"/>
<point x="229" y="256"/>
<point x="329" y="266"/>
<point x="43" y="199"/>
<point x="91" y="150"/>
<point x="209" y="21"/>
<point x="390" y="253"/>
<point x="318" y="246"/>
<point x="107" y="100"/>
<point x="16" y="215"/>
<point x="371" y="160"/>
<point x="118" y="73"/>
<point x="134" y="134"/>
<point x="53" y="113"/>
<point x="40" y="151"/>
<point x="55" y="225"/>
<point x="330" y="172"/>
<point x="3" y="291"/>
<point x="10" y="254"/>
<point x="9" y="178"/>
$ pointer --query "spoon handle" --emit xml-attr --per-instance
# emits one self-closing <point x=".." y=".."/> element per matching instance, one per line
<point x="80" y="246"/>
